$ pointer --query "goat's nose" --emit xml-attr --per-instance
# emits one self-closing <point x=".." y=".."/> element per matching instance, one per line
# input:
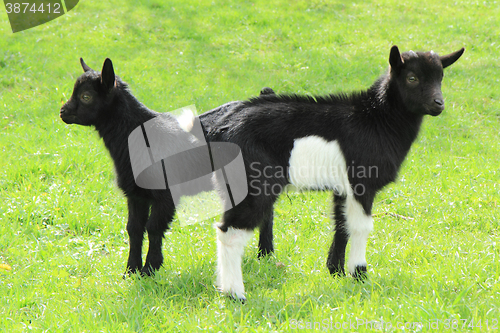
<point x="439" y="101"/>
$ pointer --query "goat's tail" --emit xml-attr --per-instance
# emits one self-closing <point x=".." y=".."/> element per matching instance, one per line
<point x="186" y="119"/>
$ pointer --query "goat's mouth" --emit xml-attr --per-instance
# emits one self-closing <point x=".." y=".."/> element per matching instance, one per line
<point x="68" y="118"/>
<point x="434" y="110"/>
<point x="435" y="113"/>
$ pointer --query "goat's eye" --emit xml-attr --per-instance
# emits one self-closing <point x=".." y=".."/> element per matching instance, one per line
<point x="86" y="97"/>
<point x="412" y="79"/>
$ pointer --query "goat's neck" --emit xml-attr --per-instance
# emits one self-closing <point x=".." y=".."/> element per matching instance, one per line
<point x="126" y="113"/>
<point x="390" y="115"/>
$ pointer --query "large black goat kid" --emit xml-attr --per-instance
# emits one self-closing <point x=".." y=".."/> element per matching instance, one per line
<point x="103" y="100"/>
<point x="352" y="144"/>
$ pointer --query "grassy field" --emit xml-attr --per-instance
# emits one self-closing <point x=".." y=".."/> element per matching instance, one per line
<point x="434" y="256"/>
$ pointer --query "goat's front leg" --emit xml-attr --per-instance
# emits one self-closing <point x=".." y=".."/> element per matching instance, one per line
<point x="138" y="211"/>
<point x="336" y="255"/>
<point x="162" y="213"/>
<point x="359" y="224"/>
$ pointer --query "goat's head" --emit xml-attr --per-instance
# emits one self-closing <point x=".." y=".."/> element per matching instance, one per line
<point x="92" y="92"/>
<point x="418" y="76"/>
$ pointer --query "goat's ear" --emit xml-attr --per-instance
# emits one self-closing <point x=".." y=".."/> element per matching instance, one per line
<point x="108" y="75"/>
<point x="395" y="59"/>
<point x="449" y="59"/>
<point x="84" y="66"/>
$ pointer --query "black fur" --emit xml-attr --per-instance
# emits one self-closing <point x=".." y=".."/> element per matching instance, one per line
<point x="266" y="91"/>
<point x="374" y="128"/>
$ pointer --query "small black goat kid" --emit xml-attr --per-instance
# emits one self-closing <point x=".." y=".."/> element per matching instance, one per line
<point x="103" y="100"/>
<point x="352" y="144"/>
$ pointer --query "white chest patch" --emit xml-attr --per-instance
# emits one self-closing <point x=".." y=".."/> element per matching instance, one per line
<point x="317" y="164"/>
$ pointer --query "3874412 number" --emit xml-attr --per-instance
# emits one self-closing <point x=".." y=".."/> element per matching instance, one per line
<point x="32" y="8"/>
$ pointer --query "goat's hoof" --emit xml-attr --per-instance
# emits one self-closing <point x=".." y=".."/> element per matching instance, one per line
<point x="240" y="299"/>
<point x="337" y="274"/>
<point x="360" y="273"/>
<point x="264" y="253"/>
<point x="147" y="271"/>
<point x="236" y="297"/>
<point x="336" y="271"/>
<point x="130" y="271"/>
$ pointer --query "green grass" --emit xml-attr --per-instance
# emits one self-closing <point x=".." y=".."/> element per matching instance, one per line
<point x="62" y="219"/>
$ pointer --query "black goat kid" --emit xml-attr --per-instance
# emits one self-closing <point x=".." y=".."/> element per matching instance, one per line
<point x="104" y="101"/>
<point x="352" y="144"/>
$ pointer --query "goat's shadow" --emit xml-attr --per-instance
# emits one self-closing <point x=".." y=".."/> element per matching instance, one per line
<point x="198" y="281"/>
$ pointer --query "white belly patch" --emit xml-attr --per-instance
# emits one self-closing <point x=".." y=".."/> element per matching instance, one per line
<point x="317" y="164"/>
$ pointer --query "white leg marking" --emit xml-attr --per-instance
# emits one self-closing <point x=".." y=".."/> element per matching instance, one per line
<point x="318" y="164"/>
<point x="359" y="225"/>
<point x="230" y="248"/>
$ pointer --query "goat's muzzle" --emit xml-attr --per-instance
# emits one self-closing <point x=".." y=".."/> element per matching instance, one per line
<point x="66" y="116"/>
<point x="436" y="107"/>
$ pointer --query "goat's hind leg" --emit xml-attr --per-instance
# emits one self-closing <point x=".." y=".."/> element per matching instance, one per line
<point x="138" y="211"/>
<point x="234" y="232"/>
<point x="266" y="235"/>
<point x="230" y="247"/>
